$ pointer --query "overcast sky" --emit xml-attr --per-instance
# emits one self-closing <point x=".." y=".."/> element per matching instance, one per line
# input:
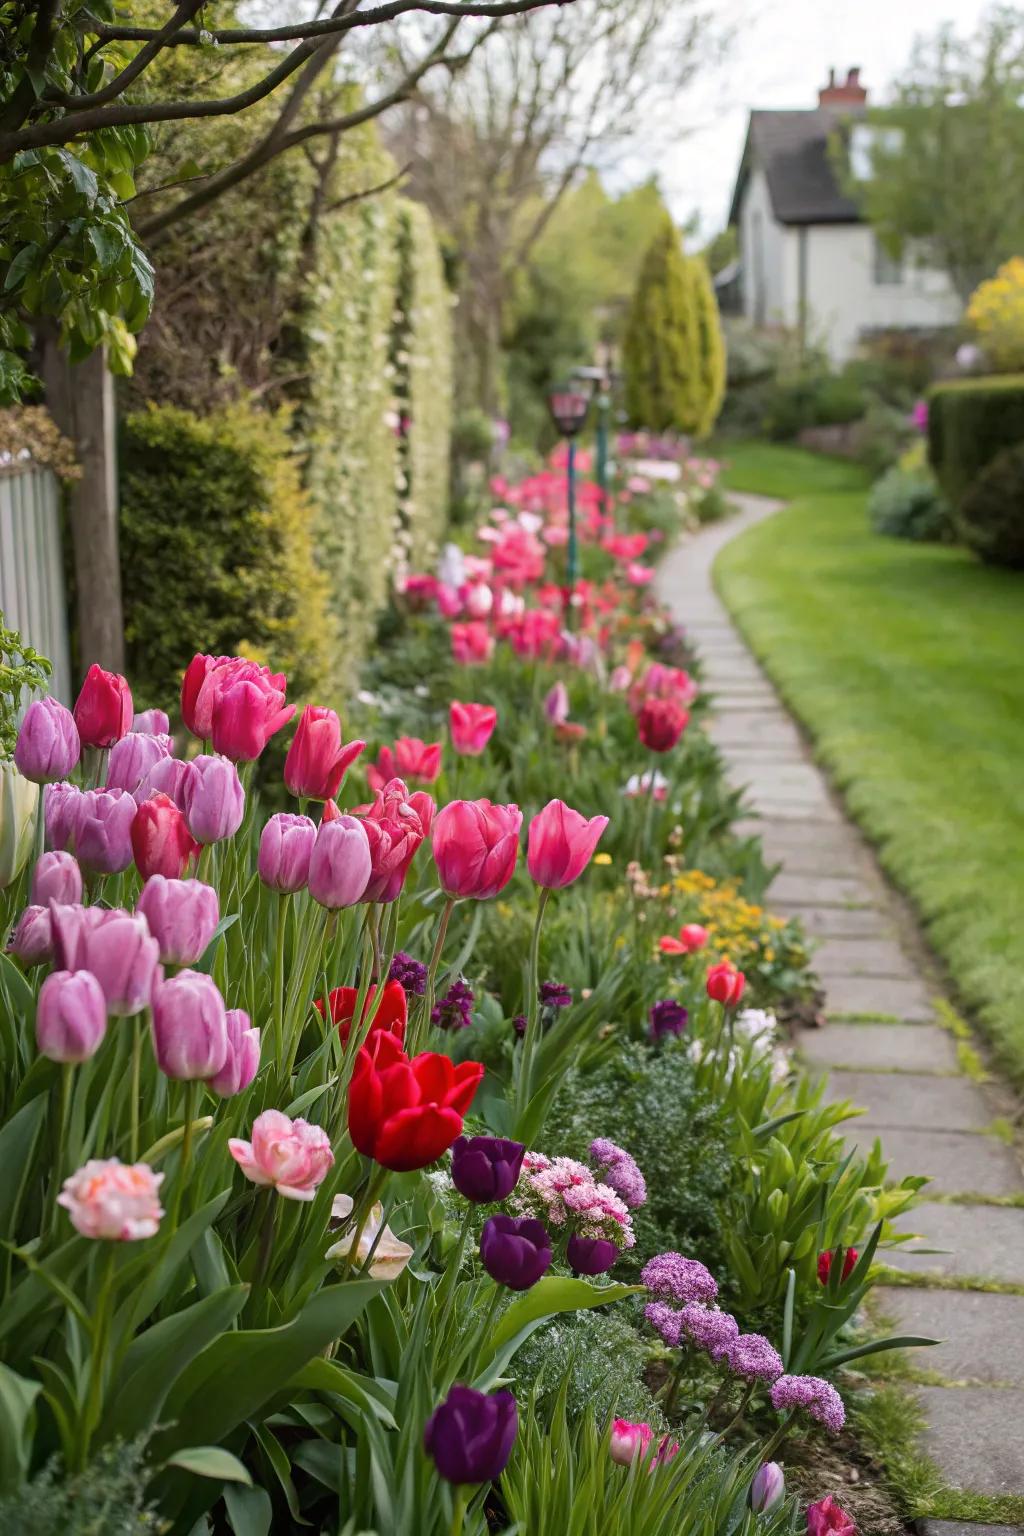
<point x="781" y="52"/>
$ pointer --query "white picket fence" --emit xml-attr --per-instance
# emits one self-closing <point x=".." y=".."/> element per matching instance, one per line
<point x="32" y="593"/>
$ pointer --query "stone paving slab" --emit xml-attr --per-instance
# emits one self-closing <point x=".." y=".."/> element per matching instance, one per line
<point x="978" y="1241"/>
<point x="912" y="1101"/>
<point x="863" y="957"/>
<point x="880" y="1047"/>
<point x="967" y="1435"/>
<point x="982" y="1334"/>
<point x="821" y="891"/>
<point x="962" y="1528"/>
<point x="834" y="922"/>
<point x="954" y="1162"/>
<point x="904" y="998"/>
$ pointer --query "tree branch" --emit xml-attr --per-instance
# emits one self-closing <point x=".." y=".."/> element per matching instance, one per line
<point x="134" y="68"/>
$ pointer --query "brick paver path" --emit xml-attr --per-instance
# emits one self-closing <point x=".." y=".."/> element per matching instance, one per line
<point x="885" y="1048"/>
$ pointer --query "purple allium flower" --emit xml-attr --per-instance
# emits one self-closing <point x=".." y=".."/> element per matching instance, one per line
<point x="409" y="972"/>
<point x="620" y="1171"/>
<point x="752" y="1356"/>
<point x="819" y="1398"/>
<point x="455" y="1009"/>
<point x="679" y="1278"/>
<point x="519" y="1024"/>
<point x="554" y="995"/>
<point x="665" y="1320"/>
<point x="667" y="1018"/>
<point x="709" y="1329"/>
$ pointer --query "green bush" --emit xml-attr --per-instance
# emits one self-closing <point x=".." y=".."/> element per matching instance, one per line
<point x="812" y="400"/>
<point x="991" y="514"/>
<point x="216" y="547"/>
<point x="908" y="506"/>
<point x="969" y="422"/>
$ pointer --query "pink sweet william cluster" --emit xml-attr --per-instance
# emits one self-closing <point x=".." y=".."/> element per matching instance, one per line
<point x="565" y="1194"/>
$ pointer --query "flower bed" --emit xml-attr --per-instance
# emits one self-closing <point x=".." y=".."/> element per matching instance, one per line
<point x="366" y="1185"/>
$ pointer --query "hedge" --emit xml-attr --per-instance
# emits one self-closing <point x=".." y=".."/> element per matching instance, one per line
<point x="992" y="511"/>
<point x="969" y="422"/>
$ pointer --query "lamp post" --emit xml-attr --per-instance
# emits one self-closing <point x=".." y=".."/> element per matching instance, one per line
<point x="568" y="408"/>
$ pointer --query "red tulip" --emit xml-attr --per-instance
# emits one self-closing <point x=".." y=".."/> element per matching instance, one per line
<point x="692" y="936"/>
<point x="161" y="841"/>
<point x="725" y="984"/>
<point x="406" y="1112"/>
<point x="103" y="710"/>
<point x="825" y="1264"/>
<point x="476" y="845"/>
<point x="390" y="1018"/>
<point x="396" y="823"/>
<point x="826" y="1518"/>
<point x="471" y="726"/>
<point x="317" y="759"/>
<point x="660" y="724"/>
<point x="561" y="844"/>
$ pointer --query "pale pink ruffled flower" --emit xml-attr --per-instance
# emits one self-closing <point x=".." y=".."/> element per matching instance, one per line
<point x="113" y="1200"/>
<point x="290" y="1156"/>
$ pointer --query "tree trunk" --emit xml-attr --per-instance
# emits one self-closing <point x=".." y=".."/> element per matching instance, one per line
<point x="80" y="398"/>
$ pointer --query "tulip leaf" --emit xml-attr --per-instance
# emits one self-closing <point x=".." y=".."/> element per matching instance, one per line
<point x="249" y="1509"/>
<point x="16" y="988"/>
<point x="551" y="1295"/>
<point x="17" y="1422"/>
<point x="17" y="1154"/>
<point x="857" y="1352"/>
<point x="209" y="954"/>
<point x="211" y="1461"/>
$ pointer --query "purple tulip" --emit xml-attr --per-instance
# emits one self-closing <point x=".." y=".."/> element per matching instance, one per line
<point x="339" y="867"/>
<point x="471" y="1435"/>
<point x="70" y="925"/>
<point x="60" y="813"/>
<point x="71" y="1016"/>
<point x="190" y="1027"/>
<point x="486" y="1168"/>
<point x="151" y="722"/>
<point x="133" y="757"/>
<point x="591" y="1255"/>
<point x="667" y="1018"/>
<point x="214" y="798"/>
<point x="121" y="953"/>
<point x="167" y="776"/>
<point x="768" y="1489"/>
<point x="32" y="939"/>
<point x="182" y="917"/>
<point x="286" y="846"/>
<point x="48" y="745"/>
<point x="103" y="830"/>
<point x="515" y="1250"/>
<point x="58" y="878"/>
<point x="243" y="1059"/>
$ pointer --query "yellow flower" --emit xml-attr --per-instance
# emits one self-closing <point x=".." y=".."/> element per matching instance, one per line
<point x="602" y="858"/>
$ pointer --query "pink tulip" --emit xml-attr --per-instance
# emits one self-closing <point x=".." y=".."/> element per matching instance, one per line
<point x="70" y="925"/>
<point x="56" y="877"/>
<point x="132" y="757"/>
<point x="103" y="709"/>
<point x="317" y="759"/>
<point x="168" y="776"/>
<point x="151" y="722"/>
<point x="71" y="1016"/>
<point x="116" y="946"/>
<point x="556" y="704"/>
<point x="290" y="1156"/>
<point x="244" y="719"/>
<point x="396" y="824"/>
<point x="208" y="678"/>
<point x="475" y="846"/>
<point x="116" y="1201"/>
<point x="182" y="917"/>
<point x="286" y="847"/>
<point x="214" y="799"/>
<point x="339" y="866"/>
<point x="416" y="761"/>
<point x="472" y="643"/>
<point x="471" y="727"/>
<point x="103" y="830"/>
<point x="628" y="1441"/>
<point x="243" y="1058"/>
<point x="60" y="813"/>
<point x="561" y="844"/>
<point x="48" y="747"/>
<point x="827" y="1518"/>
<point x="190" y="1028"/>
<point x="32" y="939"/>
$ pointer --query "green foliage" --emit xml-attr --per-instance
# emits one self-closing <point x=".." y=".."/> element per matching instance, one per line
<point x="22" y="671"/>
<point x="812" y="400"/>
<point x="216" y="547"/>
<point x="673" y="354"/>
<point x="598" y="1359"/>
<point x="969" y="422"/>
<point x="991" y="514"/>
<point x="908" y="505"/>
<point x="109" y="1497"/>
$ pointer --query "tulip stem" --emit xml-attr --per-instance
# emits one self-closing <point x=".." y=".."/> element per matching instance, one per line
<point x="460" y="1501"/>
<point x="267" y="1229"/>
<point x="282" y="929"/>
<point x="532" y="1007"/>
<point x="646" y="850"/>
<point x="776" y="1440"/>
<point x="741" y="1410"/>
<point x="377" y="1178"/>
<point x="191" y="1092"/>
<point x="135" y="1085"/>
<point x="435" y="961"/>
<point x="373" y="923"/>
<point x="97" y="1359"/>
<point x="450" y="1279"/>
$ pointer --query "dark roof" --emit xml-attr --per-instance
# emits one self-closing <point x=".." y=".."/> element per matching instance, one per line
<point x="792" y="149"/>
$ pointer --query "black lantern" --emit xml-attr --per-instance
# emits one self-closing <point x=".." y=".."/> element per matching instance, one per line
<point x="568" y="409"/>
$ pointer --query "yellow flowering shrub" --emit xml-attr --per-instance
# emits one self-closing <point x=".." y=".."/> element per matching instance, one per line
<point x="996" y="314"/>
<point x="769" y="950"/>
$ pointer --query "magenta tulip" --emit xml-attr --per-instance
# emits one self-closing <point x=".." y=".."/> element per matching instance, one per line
<point x="475" y="846"/>
<point x="48" y="746"/>
<point x="103" y="830"/>
<point x="471" y="727"/>
<point x="339" y="866"/>
<point x="561" y="844"/>
<point x="56" y="877"/>
<point x="71" y="1016"/>
<point x="182" y="917"/>
<point x="190" y="1029"/>
<point x="243" y="1058"/>
<point x="104" y="709"/>
<point x="214" y="799"/>
<point x="286" y="846"/>
<point x="318" y="759"/>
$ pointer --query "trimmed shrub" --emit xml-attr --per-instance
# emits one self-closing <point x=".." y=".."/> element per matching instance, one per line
<point x="969" y="422"/>
<point x="908" y="506"/>
<point x="991" y="513"/>
<point x="216" y="547"/>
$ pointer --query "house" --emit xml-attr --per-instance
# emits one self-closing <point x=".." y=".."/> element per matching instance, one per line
<point x="807" y="260"/>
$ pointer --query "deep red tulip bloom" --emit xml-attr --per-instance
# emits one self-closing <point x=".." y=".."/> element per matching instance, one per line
<point x="725" y="984"/>
<point x="396" y="823"/>
<point x="317" y="759"/>
<point x="826" y="1518"/>
<point x="561" y="844"/>
<point x="476" y="845"/>
<point x="103" y="710"/>
<point x="161" y="841"/>
<point x="850" y="1258"/>
<point x="660" y="724"/>
<point x="471" y="726"/>
<point x="406" y="1112"/>
<point x="391" y="1017"/>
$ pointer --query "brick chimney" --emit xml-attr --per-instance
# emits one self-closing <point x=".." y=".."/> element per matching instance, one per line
<point x="843" y="93"/>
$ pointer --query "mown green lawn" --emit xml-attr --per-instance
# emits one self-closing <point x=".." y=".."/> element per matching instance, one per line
<point x="906" y="664"/>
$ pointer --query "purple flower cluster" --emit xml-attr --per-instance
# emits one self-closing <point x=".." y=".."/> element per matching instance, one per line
<point x="455" y="1009"/>
<point x="667" y="1018"/>
<point x="709" y="1329"/>
<point x="819" y="1398"/>
<point x="620" y="1172"/>
<point x="753" y="1357"/>
<point x="411" y="973"/>
<point x="679" y="1278"/>
<point x="553" y="994"/>
<point x="666" y="1321"/>
<point x="519" y="1024"/>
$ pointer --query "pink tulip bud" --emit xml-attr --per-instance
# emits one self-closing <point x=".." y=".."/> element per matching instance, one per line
<point x="561" y="844"/>
<point x="48" y="747"/>
<point x="132" y="758"/>
<point x="628" y="1441"/>
<point x="58" y="878"/>
<point x="151" y="722"/>
<point x="768" y="1489"/>
<point x="290" y="1156"/>
<point x="317" y="759"/>
<point x="182" y="917"/>
<point x="190" y="1030"/>
<point x="479" y="600"/>
<point x="475" y="846"/>
<point x="104" y="709"/>
<point x="32" y="939"/>
<point x="103" y="830"/>
<point x="243" y="1059"/>
<point x="60" y="813"/>
<point x="112" y="1200"/>
<point x="556" y="704"/>
<point x="71" y="1016"/>
<point x="214" y="799"/>
<point x="116" y="946"/>
<point x="339" y="866"/>
<point x="286" y="847"/>
<point x="471" y="727"/>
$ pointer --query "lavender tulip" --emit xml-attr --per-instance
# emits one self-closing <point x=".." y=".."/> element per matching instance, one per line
<point x="182" y="917"/>
<point x="471" y="1435"/>
<point x="124" y="957"/>
<point x="71" y="1016"/>
<point x="32" y="939"/>
<point x="60" y="813"/>
<point x="214" y="798"/>
<point x="151" y="722"/>
<point x="243" y="1059"/>
<point x="133" y="757"/>
<point x="167" y="776"/>
<point x="339" y="868"/>
<point x="768" y="1489"/>
<point x="56" y="877"/>
<point x="515" y="1250"/>
<point x="486" y="1168"/>
<point x="70" y="926"/>
<point x="103" y="830"/>
<point x="48" y="745"/>
<point x="286" y="846"/>
<point x="190" y="1030"/>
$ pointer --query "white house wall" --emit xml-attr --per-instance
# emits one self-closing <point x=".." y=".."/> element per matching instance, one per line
<point x="762" y="248"/>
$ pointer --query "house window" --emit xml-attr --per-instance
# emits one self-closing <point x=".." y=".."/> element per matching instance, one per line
<point x="888" y="269"/>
